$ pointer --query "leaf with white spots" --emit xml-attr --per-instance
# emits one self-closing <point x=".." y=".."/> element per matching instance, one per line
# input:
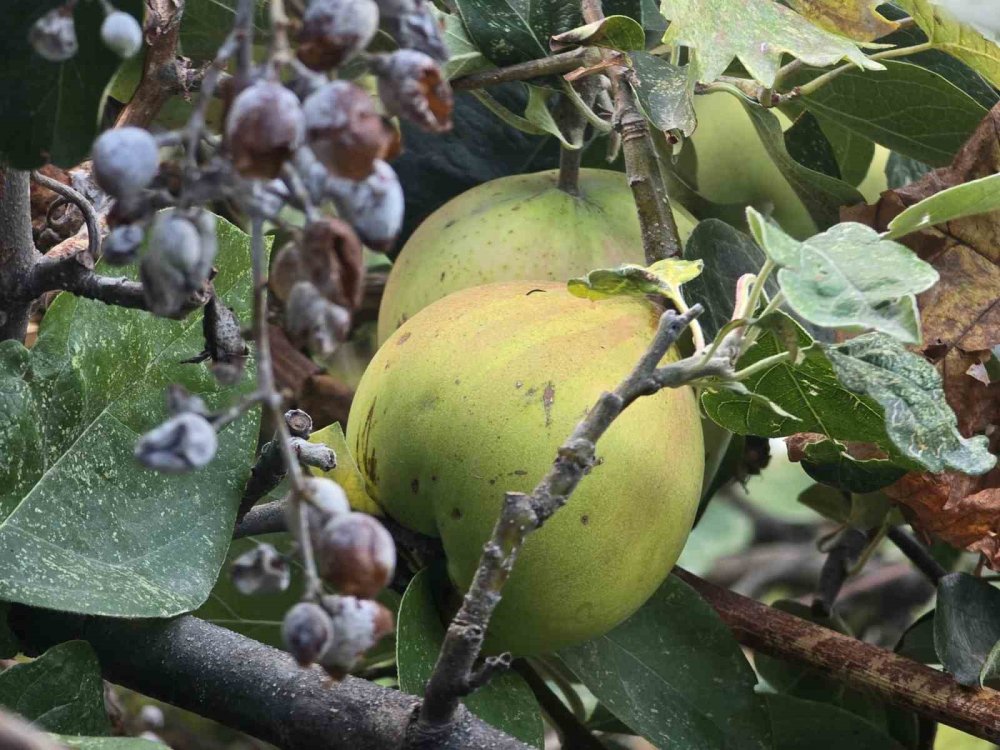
<point x="82" y="526"/>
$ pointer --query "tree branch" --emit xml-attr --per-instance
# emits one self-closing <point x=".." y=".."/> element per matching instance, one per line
<point x="17" y="253"/>
<point x="455" y="673"/>
<point x="858" y="665"/>
<point x="564" y="62"/>
<point x="917" y="554"/>
<point x="244" y="684"/>
<point x="90" y="218"/>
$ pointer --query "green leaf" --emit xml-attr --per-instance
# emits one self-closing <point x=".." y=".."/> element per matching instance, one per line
<point x="850" y="18"/>
<point x="506" y="701"/>
<point x="206" y="24"/>
<point x="60" y="691"/>
<point x="798" y="723"/>
<point x="9" y="646"/>
<point x="830" y="463"/>
<point x="51" y="110"/>
<point x="614" y="32"/>
<point x="537" y="119"/>
<point x="757" y="32"/>
<point x="917" y="642"/>
<point x="674" y="673"/>
<point x="967" y="628"/>
<point x="918" y="419"/>
<point x="848" y="277"/>
<point x="727" y="255"/>
<point x="976" y="197"/>
<point x="809" y="391"/>
<point x="513" y="31"/>
<point x="826" y="501"/>
<point x="463" y="56"/>
<point x="822" y="195"/>
<point x="82" y="527"/>
<point x="108" y="743"/>
<point x="854" y="153"/>
<point x="663" y="92"/>
<point x="807" y="144"/>
<point x="957" y="39"/>
<point x="905" y="108"/>
<point x="646" y="12"/>
<point x="664" y="277"/>
<point x="902" y="170"/>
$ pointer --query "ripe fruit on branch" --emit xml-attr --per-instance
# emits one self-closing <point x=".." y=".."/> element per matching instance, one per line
<point x="334" y="31"/>
<point x="264" y="126"/>
<point x="518" y="227"/>
<point x="472" y="397"/>
<point x="125" y="160"/>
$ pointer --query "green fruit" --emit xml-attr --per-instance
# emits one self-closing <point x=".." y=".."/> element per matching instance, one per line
<point x="472" y="397"/>
<point x="734" y="167"/>
<point x="518" y="227"/>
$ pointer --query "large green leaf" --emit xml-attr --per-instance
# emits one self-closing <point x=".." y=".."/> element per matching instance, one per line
<point x="674" y="673"/>
<point x="918" y="419"/>
<point x="806" y="142"/>
<point x="50" y="109"/>
<point x="206" y="23"/>
<point x="463" y="56"/>
<point x="905" y="107"/>
<point x="967" y="628"/>
<point x="957" y="39"/>
<point x="82" y="526"/>
<point x="60" y="691"/>
<point x="108" y="743"/>
<point x="513" y="31"/>
<point x="809" y="391"/>
<point x="822" y="195"/>
<point x="506" y="701"/>
<point x="848" y="277"/>
<point x="757" y="32"/>
<point x="663" y="93"/>
<point x="970" y="198"/>
<point x="830" y="463"/>
<point x="798" y="724"/>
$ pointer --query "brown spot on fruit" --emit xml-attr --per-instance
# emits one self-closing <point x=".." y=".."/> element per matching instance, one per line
<point x="584" y="519"/>
<point x="548" y="398"/>
<point x="456" y="514"/>
<point x="403" y="339"/>
<point x="415" y="485"/>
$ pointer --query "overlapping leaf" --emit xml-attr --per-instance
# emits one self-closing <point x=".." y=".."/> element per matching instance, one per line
<point x="82" y="526"/>
<point x="960" y="40"/>
<point x="614" y="32"/>
<point x="664" y="278"/>
<point x="757" y="32"/>
<point x="968" y="199"/>
<point x="850" y="18"/>
<point x="664" y="93"/>
<point x="967" y="628"/>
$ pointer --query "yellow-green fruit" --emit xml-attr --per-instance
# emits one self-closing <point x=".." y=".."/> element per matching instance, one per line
<point x="471" y="398"/>
<point x="734" y="167"/>
<point x="517" y="227"/>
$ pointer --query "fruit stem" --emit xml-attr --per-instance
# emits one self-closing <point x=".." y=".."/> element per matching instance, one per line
<point x="569" y="170"/>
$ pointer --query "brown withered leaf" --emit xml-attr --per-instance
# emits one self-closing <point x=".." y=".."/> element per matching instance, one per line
<point x="961" y="322"/>
<point x="857" y="20"/>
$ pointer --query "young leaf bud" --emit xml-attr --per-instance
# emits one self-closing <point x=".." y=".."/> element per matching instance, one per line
<point x="334" y="31"/>
<point x="264" y="127"/>
<point x="260" y="570"/>
<point x="121" y="33"/>
<point x="313" y="322"/>
<point x="121" y="246"/>
<point x="325" y="499"/>
<point x="125" y="160"/>
<point x="358" y="624"/>
<point x="412" y="86"/>
<point x="344" y="130"/>
<point x="314" y="454"/>
<point x="184" y="442"/>
<point x="413" y="25"/>
<point x="307" y="631"/>
<point x="374" y="206"/>
<point x="356" y="554"/>
<point x="53" y="36"/>
<point x="178" y="259"/>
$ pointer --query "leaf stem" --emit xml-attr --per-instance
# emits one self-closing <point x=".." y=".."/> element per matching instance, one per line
<point x="817" y="83"/>
<point x="564" y="62"/>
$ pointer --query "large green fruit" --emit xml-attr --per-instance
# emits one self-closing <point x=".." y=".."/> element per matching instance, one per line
<point x="518" y="227"/>
<point x="471" y="398"/>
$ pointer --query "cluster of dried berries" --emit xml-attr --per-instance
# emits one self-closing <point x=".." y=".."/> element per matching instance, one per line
<point x="53" y="36"/>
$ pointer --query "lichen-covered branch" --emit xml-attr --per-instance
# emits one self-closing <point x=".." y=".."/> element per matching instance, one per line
<point x="456" y="673"/>
<point x="17" y="253"/>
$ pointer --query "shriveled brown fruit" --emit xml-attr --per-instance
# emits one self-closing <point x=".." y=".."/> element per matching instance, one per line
<point x="411" y="85"/>
<point x="345" y="131"/>
<point x="334" y="31"/>
<point x="263" y="128"/>
<point x="330" y="257"/>
<point x="357" y="555"/>
<point x="960" y="316"/>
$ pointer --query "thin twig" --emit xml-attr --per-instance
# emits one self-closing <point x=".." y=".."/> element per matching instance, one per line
<point x="545" y="66"/>
<point x="86" y="208"/>
<point x="918" y="554"/>
<point x="455" y="673"/>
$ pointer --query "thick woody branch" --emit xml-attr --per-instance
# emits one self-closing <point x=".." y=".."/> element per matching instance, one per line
<point x="455" y="673"/>
<point x="883" y="674"/>
<point x="17" y="253"/>
<point x="75" y="274"/>
<point x="564" y="62"/>
<point x="246" y="685"/>
<point x="90" y="217"/>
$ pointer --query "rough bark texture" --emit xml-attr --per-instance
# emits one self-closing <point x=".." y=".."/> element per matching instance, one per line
<point x="17" y="252"/>
<point x="244" y="684"/>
